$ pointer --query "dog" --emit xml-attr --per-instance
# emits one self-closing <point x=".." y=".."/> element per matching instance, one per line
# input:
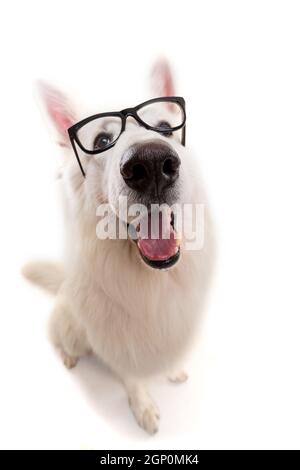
<point x="133" y="302"/>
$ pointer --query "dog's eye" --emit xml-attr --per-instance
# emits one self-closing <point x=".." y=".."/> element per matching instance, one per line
<point x="165" y="125"/>
<point x="102" y="140"/>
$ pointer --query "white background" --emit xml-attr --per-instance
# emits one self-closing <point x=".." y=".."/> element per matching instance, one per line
<point x="237" y="65"/>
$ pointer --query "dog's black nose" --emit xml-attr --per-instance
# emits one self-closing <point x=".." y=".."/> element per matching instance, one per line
<point x="150" y="164"/>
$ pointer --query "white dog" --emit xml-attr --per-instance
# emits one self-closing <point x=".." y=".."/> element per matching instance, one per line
<point x="134" y="304"/>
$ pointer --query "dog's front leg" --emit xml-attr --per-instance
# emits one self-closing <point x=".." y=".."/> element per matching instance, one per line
<point x="144" y="409"/>
<point x="67" y="336"/>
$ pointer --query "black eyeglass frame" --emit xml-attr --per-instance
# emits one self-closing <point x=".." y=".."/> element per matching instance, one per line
<point x="123" y="115"/>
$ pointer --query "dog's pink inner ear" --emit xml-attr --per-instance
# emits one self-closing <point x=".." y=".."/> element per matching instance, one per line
<point x="61" y="115"/>
<point x="162" y="79"/>
<point x="62" y="121"/>
<point x="59" y="110"/>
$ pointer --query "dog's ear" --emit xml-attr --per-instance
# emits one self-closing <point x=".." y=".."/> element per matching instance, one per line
<point x="162" y="81"/>
<point x="58" y="110"/>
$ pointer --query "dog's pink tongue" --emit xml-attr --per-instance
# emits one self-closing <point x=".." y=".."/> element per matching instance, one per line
<point x="163" y="243"/>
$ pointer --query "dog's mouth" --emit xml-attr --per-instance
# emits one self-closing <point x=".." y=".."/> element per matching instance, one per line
<point x="157" y="240"/>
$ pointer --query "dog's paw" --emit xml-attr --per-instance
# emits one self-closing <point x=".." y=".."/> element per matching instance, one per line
<point x="178" y="377"/>
<point x="145" y="412"/>
<point x="69" y="361"/>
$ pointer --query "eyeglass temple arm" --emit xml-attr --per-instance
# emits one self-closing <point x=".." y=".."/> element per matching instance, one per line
<point x="77" y="156"/>
<point x="183" y="136"/>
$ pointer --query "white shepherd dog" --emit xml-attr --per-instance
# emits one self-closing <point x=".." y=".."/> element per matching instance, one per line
<point x="132" y="301"/>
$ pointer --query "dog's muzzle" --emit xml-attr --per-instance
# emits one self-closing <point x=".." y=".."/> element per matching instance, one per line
<point x="151" y="169"/>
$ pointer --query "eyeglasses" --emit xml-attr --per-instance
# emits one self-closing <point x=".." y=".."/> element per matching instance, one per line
<point x="100" y="132"/>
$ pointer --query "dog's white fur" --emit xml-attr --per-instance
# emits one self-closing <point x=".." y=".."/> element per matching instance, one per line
<point x="137" y="320"/>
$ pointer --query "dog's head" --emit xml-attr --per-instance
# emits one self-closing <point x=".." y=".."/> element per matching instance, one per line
<point x="124" y="159"/>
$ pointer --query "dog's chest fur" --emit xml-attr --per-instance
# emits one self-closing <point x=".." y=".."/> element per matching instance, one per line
<point x="136" y="319"/>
